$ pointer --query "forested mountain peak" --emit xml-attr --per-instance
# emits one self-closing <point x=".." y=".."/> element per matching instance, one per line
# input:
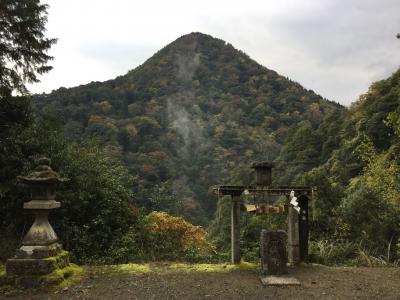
<point x="193" y="115"/>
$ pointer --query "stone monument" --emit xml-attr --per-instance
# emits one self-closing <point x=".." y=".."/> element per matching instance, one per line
<point x="273" y="252"/>
<point x="40" y="253"/>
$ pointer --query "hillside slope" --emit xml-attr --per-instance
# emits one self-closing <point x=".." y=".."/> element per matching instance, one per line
<point x="195" y="114"/>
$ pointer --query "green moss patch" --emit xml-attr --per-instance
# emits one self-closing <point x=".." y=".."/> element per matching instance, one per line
<point x="2" y="274"/>
<point x="61" y="278"/>
<point x="4" y="279"/>
<point x="168" y="268"/>
<point x="212" y="268"/>
<point x="2" y="270"/>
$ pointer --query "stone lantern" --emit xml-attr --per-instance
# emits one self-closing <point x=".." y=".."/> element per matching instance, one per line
<point x="263" y="173"/>
<point x="32" y="261"/>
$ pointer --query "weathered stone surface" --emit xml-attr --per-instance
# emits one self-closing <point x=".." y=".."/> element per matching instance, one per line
<point x="42" y="204"/>
<point x="38" y="251"/>
<point x="41" y="233"/>
<point x="28" y="282"/>
<point x="273" y="252"/>
<point x="46" y="251"/>
<point x="32" y="266"/>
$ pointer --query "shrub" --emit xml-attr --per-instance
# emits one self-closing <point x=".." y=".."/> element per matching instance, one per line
<point x="332" y="252"/>
<point x="160" y="236"/>
<point x="174" y="237"/>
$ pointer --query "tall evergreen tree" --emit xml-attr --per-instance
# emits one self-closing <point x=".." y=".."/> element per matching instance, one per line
<point x="23" y="45"/>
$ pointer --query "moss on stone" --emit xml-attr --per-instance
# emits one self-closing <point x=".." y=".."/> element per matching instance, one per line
<point x="2" y="274"/>
<point x="61" y="278"/>
<point x="59" y="261"/>
<point x="2" y="270"/>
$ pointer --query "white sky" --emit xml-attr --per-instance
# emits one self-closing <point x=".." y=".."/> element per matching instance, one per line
<point x="335" y="47"/>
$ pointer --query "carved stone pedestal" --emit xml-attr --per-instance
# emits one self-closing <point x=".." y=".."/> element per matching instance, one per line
<point x="32" y="272"/>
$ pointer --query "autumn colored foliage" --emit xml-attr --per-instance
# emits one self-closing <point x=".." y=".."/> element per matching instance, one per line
<point x="176" y="230"/>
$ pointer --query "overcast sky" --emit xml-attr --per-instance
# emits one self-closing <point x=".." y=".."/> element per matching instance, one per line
<point x="335" y="47"/>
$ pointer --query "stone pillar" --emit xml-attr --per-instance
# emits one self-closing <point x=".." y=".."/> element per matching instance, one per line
<point x="235" y="229"/>
<point x="273" y="252"/>
<point x="293" y="236"/>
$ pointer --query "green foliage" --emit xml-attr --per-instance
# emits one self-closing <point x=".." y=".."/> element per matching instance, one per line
<point x="328" y="252"/>
<point x="369" y="218"/>
<point x="23" y="45"/>
<point x="325" y="203"/>
<point x="358" y="184"/>
<point x="97" y="204"/>
<point x="219" y="228"/>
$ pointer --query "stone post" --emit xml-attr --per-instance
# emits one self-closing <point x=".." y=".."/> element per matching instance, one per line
<point x="293" y="236"/>
<point x="273" y="252"/>
<point x="235" y="229"/>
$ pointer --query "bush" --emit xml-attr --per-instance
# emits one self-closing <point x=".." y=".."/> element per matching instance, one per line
<point x="369" y="220"/>
<point x="332" y="252"/>
<point x="159" y="236"/>
<point x="174" y="238"/>
<point x="97" y="204"/>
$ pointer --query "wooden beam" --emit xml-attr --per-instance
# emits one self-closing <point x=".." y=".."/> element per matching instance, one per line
<point x="273" y="191"/>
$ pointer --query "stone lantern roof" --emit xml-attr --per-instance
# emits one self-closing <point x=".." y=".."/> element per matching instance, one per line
<point x="42" y="174"/>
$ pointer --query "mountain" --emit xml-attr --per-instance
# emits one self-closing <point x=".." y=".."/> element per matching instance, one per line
<point x="196" y="114"/>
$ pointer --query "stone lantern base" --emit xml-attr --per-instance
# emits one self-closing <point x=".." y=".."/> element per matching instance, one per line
<point x="34" y="268"/>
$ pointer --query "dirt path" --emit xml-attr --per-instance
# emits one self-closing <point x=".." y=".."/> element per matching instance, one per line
<point x="316" y="283"/>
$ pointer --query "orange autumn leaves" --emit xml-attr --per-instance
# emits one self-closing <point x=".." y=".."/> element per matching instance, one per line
<point x="185" y="235"/>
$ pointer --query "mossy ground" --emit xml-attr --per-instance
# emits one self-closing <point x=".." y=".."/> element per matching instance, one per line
<point x="61" y="278"/>
<point x="168" y="268"/>
<point x="168" y="280"/>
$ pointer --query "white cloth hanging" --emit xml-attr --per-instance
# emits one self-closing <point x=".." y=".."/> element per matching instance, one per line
<point x="294" y="202"/>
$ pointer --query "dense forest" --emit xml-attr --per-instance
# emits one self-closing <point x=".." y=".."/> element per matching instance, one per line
<point x="196" y="114"/>
<point x="144" y="149"/>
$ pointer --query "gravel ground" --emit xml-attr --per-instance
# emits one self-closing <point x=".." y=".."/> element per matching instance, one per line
<point x="317" y="282"/>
